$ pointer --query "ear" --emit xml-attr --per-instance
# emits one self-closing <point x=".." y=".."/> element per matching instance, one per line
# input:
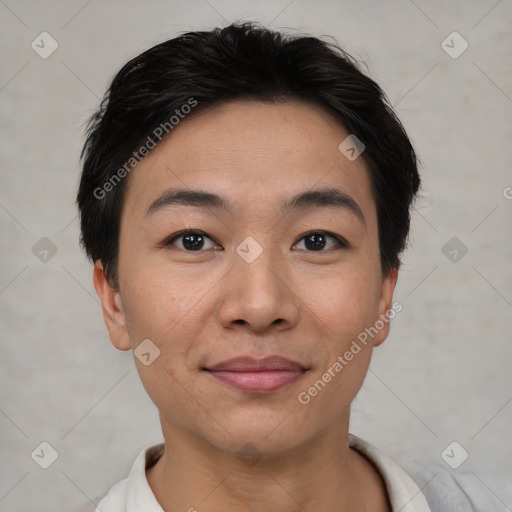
<point x="386" y="312"/>
<point x="113" y="311"/>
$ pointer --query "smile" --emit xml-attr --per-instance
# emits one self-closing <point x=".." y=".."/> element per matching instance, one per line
<point x="259" y="382"/>
<point x="257" y="376"/>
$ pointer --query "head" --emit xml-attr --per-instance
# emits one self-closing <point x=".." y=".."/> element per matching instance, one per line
<point x="246" y="193"/>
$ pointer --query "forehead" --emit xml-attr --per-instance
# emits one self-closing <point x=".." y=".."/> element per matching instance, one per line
<point x="256" y="154"/>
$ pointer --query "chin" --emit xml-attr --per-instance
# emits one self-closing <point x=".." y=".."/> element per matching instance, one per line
<point x="269" y="432"/>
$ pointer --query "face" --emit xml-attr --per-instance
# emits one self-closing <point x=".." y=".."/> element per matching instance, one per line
<point x="260" y="276"/>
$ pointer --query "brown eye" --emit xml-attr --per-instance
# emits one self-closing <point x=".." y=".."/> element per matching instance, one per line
<point x="191" y="240"/>
<point x="316" y="241"/>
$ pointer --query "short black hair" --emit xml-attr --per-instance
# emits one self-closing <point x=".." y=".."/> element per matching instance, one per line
<point x="241" y="61"/>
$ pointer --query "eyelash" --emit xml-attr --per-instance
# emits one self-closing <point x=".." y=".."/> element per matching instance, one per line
<point x="342" y="243"/>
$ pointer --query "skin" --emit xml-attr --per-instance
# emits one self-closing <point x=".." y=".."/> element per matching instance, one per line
<point x="203" y="307"/>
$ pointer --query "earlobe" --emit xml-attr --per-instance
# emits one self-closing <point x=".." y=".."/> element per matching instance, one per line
<point x="385" y="306"/>
<point x="113" y="310"/>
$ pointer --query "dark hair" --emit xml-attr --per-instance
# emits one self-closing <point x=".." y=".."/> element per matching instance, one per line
<point x="240" y="61"/>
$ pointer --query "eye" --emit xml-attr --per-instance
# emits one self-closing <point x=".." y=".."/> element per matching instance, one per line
<point x="317" y="240"/>
<point x="192" y="240"/>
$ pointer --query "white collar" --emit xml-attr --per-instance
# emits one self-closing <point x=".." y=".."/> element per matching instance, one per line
<point x="404" y="494"/>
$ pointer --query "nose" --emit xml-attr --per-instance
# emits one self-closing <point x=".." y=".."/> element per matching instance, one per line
<point x="259" y="296"/>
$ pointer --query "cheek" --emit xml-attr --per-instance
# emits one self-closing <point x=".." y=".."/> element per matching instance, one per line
<point x="159" y="301"/>
<point x="343" y="308"/>
<point x="165" y="310"/>
<point x="170" y="308"/>
<point x="344" y="303"/>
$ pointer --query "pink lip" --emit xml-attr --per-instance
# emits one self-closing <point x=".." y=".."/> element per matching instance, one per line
<point x="257" y="375"/>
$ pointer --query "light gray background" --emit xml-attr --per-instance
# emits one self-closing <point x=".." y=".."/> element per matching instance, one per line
<point x="444" y="372"/>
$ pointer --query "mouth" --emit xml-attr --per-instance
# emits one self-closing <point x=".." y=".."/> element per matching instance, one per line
<point x="257" y="375"/>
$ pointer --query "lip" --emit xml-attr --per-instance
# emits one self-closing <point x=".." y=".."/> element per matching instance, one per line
<point x="257" y="375"/>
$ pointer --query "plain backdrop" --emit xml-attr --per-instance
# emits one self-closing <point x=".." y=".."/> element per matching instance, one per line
<point x="443" y="374"/>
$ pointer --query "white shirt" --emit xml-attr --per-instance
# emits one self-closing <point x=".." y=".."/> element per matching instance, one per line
<point x="133" y="494"/>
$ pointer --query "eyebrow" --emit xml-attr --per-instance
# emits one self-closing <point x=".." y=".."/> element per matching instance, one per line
<point x="327" y="197"/>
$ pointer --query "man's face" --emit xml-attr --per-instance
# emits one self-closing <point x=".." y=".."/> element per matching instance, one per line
<point x="257" y="281"/>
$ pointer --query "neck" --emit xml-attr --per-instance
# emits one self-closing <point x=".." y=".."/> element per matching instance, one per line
<point x="321" y="474"/>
